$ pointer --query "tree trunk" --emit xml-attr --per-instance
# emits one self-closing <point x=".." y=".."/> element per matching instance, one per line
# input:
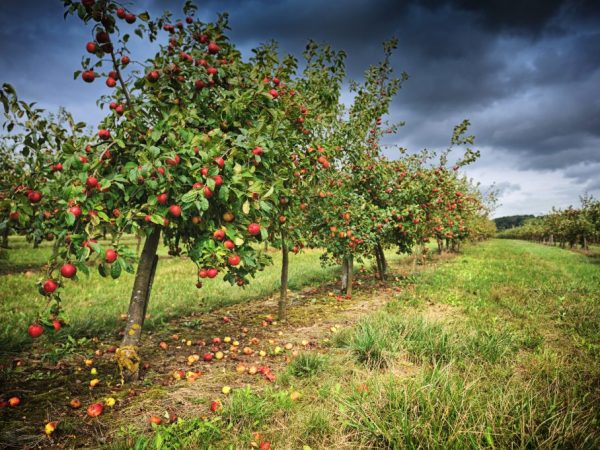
<point x="378" y="262"/>
<point x="584" y="243"/>
<point x="127" y="355"/>
<point x="440" y="244"/>
<point x="282" y="309"/>
<point x="5" y="233"/>
<point x="381" y="262"/>
<point x="344" y="274"/>
<point x="139" y="244"/>
<point x="447" y="244"/>
<point x="347" y="275"/>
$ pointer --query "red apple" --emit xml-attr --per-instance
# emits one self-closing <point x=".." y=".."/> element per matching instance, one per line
<point x="104" y="134"/>
<point x="233" y="260"/>
<point x="229" y="245"/>
<point x="56" y="324"/>
<point x="68" y="270"/>
<point x="219" y="235"/>
<point x="49" y="286"/>
<point x="162" y="198"/>
<point x="213" y="48"/>
<point x="91" y="182"/>
<point x="14" y="402"/>
<point x="111" y="256"/>
<point x="254" y="229"/>
<point x="35" y="330"/>
<point x="175" y="210"/>
<point x="174" y="161"/>
<point x="75" y="210"/>
<point x="152" y="76"/>
<point x="34" y="197"/>
<point x="88" y="76"/>
<point x="154" y="420"/>
<point x="91" y="47"/>
<point x="211" y="273"/>
<point x="207" y="357"/>
<point x="95" y="409"/>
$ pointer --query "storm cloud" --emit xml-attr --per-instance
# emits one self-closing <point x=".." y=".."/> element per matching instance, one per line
<point x="526" y="74"/>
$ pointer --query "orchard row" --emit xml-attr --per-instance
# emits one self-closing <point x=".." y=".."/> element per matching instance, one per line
<point x="565" y="227"/>
<point x="216" y="154"/>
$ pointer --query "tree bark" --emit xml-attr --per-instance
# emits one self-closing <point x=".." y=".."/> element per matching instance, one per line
<point x="378" y="262"/>
<point x="347" y="275"/>
<point x="282" y="309"/>
<point x="127" y="355"/>
<point x="382" y="263"/>
<point x="4" y="242"/>
<point x="440" y="245"/>
<point x="344" y="274"/>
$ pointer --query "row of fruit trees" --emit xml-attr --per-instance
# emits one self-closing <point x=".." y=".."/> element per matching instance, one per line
<point x="215" y="154"/>
<point x="564" y="227"/>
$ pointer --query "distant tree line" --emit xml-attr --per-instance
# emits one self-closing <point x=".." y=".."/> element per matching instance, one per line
<point x="564" y="227"/>
<point x="506" y="222"/>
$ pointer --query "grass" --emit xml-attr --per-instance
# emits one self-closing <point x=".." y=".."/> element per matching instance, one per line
<point x="93" y="304"/>
<point x="307" y="365"/>
<point x="498" y="347"/>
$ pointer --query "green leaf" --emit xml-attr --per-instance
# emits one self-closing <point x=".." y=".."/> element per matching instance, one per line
<point x="144" y="16"/>
<point x="70" y="219"/>
<point x="96" y="247"/>
<point x="156" y="135"/>
<point x="269" y="192"/>
<point x="190" y="196"/>
<point x="102" y="270"/>
<point x="265" y="206"/>
<point x="82" y="267"/>
<point x="224" y="193"/>
<point x="203" y="203"/>
<point x="115" y="270"/>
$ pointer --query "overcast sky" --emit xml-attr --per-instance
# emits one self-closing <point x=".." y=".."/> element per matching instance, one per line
<point x="525" y="73"/>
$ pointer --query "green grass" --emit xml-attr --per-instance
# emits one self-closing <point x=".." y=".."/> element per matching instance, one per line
<point x="307" y="365"/>
<point x="498" y="347"/>
<point x="93" y="304"/>
<point x="511" y="362"/>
